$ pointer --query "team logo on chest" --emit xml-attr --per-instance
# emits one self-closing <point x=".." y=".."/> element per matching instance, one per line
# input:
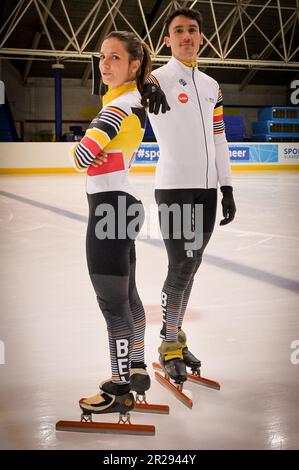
<point x="183" y="98"/>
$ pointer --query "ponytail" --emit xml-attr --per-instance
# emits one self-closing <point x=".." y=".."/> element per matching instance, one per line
<point x="145" y="67"/>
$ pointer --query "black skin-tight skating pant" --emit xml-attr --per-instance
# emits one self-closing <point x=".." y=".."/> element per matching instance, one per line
<point x="111" y="264"/>
<point x="183" y="263"/>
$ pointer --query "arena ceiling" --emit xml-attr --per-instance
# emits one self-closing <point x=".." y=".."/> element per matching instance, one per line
<point x="245" y="41"/>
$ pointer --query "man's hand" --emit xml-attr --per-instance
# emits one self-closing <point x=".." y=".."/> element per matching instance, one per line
<point x="156" y="97"/>
<point x="101" y="158"/>
<point x="228" y="205"/>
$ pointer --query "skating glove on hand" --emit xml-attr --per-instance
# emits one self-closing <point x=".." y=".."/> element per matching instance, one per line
<point x="228" y="205"/>
<point x="157" y="99"/>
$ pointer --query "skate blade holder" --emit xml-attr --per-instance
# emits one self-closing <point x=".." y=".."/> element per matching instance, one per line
<point x="124" y="426"/>
<point x="142" y="406"/>
<point x="176" y="389"/>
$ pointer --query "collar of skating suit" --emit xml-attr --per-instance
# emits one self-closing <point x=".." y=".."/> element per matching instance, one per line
<point x="189" y="64"/>
<point x="184" y="67"/>
<point x="113" y="93"/>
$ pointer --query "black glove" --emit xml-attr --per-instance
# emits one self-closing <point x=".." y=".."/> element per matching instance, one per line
<point x="228" y="205"/>
<point x="156" y="97"/>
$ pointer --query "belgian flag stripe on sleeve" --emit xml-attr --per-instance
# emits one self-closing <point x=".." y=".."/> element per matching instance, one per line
<point x="218" y="123"/>
<point x="152" y="79"/>
<point x="101" y="131"/>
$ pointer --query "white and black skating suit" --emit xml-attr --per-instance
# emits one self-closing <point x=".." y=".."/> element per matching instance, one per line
<point x="194" y="159"/>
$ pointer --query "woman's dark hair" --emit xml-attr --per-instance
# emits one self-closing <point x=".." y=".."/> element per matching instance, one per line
<point x="137" y="50"/>
<point x="194" y="14"/>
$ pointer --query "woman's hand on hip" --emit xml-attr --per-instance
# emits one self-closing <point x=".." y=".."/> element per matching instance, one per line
<point x="101" y="158"/>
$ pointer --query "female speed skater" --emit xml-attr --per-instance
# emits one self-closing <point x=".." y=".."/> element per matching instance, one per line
<point x="116" y="217"/>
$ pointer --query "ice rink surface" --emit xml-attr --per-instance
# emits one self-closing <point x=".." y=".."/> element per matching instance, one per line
<point x="242" y="321"/>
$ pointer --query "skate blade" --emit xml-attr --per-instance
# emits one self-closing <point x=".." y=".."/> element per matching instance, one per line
<point x="203" y="381"/>
<point x="151" y="408"/>
<point x="157" y="365"/>
<point x="109" y="428"/>
<point x="195" y="378"/>
<point x="182" y="396"/>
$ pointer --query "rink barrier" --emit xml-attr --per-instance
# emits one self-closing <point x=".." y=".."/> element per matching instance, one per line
<point x="136" y="169"/>
<point x="54" y="157"/>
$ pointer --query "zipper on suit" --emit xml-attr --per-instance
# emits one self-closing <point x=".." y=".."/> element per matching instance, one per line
<point x="204" y="129"/>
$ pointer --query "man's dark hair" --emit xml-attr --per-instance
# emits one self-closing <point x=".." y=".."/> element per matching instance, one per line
<point x="189" y="13"/>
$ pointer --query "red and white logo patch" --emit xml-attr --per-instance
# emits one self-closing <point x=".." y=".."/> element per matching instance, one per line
<point x="183" y="98"/>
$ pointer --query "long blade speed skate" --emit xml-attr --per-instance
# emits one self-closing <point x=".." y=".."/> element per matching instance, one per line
<point x="176" y="388"/>
<point x="123" y="426"/>
<point x="194" y="364"/>
<point x="174" y="368"/>
<point x="113" y="398"/>
<point x="196" y="377"/>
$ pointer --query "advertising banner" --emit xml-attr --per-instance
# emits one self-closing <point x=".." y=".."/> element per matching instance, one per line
<point x="148" y="153"/>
